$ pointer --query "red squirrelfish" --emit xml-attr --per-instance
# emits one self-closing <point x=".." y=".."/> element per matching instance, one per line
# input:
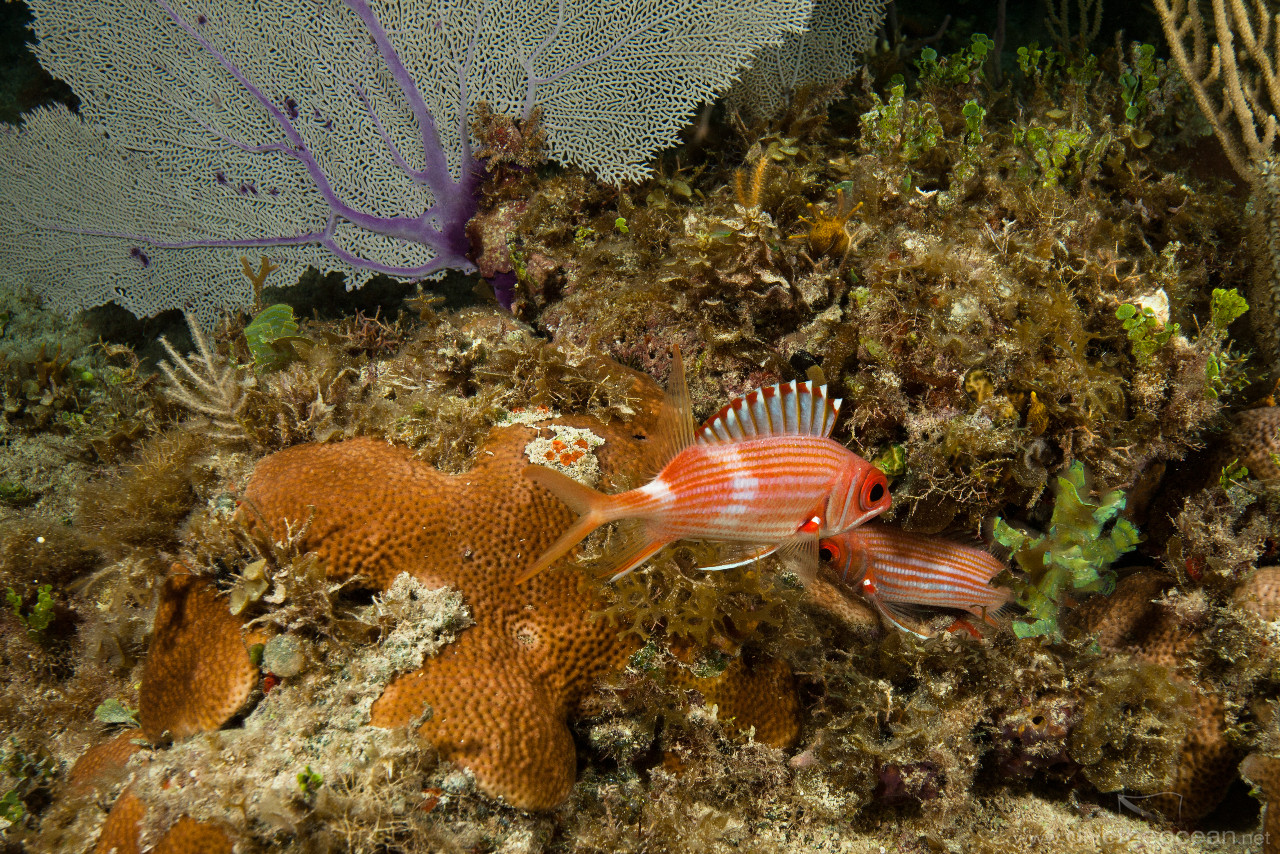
<point x="762" y="474"/>
<point x="896" y="570"/>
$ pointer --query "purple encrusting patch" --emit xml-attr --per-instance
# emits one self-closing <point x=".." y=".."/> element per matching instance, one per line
<point x="220" y="177"/>
<point x="504" y="288"/>
<point x="291" y="107"/>
<point x="141" y="257"/>
<point x="201" y="20"/>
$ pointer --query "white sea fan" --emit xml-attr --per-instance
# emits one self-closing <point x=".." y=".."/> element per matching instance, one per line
<point x="829" y="51"/>
<point x="327" y="133"/>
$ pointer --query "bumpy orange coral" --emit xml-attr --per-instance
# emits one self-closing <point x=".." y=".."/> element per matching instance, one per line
<point x="104" y="763"/>
<point x="120" y="831"/>
<point x="186" y="836"/>
<point x="497" y="700"/>
<point x="1264" y="772"/>
<point x="198" y="673"/>
<point x="1259" y="592"/>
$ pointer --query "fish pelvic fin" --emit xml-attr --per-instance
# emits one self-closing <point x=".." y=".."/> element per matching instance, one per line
<point x="593" y="508"/>
<point x="896" y="614"/>
<point x="740" y="554"/>
<point x="642" y="543"/>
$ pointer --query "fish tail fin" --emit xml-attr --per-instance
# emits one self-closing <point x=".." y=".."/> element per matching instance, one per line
<point x="593" y="508"/>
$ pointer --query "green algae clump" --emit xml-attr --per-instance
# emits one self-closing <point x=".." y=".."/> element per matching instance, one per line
<point x="1075" y="556"/>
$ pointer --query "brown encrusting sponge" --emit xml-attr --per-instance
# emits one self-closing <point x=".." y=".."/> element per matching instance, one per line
<point x="198" y="673"/>
<point x="1181" y="756"/>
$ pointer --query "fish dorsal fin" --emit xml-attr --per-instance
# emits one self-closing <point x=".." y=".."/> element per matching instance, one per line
<point x="785" y="409"/>
<point x="675" y="427"/>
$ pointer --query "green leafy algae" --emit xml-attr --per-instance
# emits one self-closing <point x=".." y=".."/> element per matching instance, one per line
<point x="271" y="337"/>
<point x="1075" y="556"/>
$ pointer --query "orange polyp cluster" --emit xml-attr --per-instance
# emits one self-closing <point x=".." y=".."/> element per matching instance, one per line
<point x="567" y="454"/>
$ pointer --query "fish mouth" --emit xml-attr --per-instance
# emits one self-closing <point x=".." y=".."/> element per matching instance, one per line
<point x="865" y="517"/>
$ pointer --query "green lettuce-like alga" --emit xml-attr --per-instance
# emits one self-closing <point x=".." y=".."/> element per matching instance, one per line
<point x="272" y="336"/>
<point x="1075" y="556"/>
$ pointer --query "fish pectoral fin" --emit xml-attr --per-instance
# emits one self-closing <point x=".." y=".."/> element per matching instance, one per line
<point x="799" y="553"/>
<point x="741" y="554"/>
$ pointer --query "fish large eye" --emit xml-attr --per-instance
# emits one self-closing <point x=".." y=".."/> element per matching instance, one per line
<point x="826" y="552"/>
<point x="875" y="491"/>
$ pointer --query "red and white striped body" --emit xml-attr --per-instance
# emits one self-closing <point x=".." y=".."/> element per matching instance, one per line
<point x="895" y="568"/>
<point x="762" y="472"/>
<point x="757" y="491"/>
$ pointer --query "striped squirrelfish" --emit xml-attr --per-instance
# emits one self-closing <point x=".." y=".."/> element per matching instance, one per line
<point x="897" y="571"/>
<point x="763" y="474"/>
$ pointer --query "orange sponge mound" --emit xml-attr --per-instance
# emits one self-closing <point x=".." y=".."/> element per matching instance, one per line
<point x="104" y="764"/>
<point x="499" y="699"/>
<point x="121" y="831"/>
<point x="198" y="673"/>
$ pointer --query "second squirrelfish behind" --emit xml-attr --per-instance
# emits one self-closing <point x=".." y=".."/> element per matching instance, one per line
<point x="898" y="571"/>
<point x="763" y="474"/>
